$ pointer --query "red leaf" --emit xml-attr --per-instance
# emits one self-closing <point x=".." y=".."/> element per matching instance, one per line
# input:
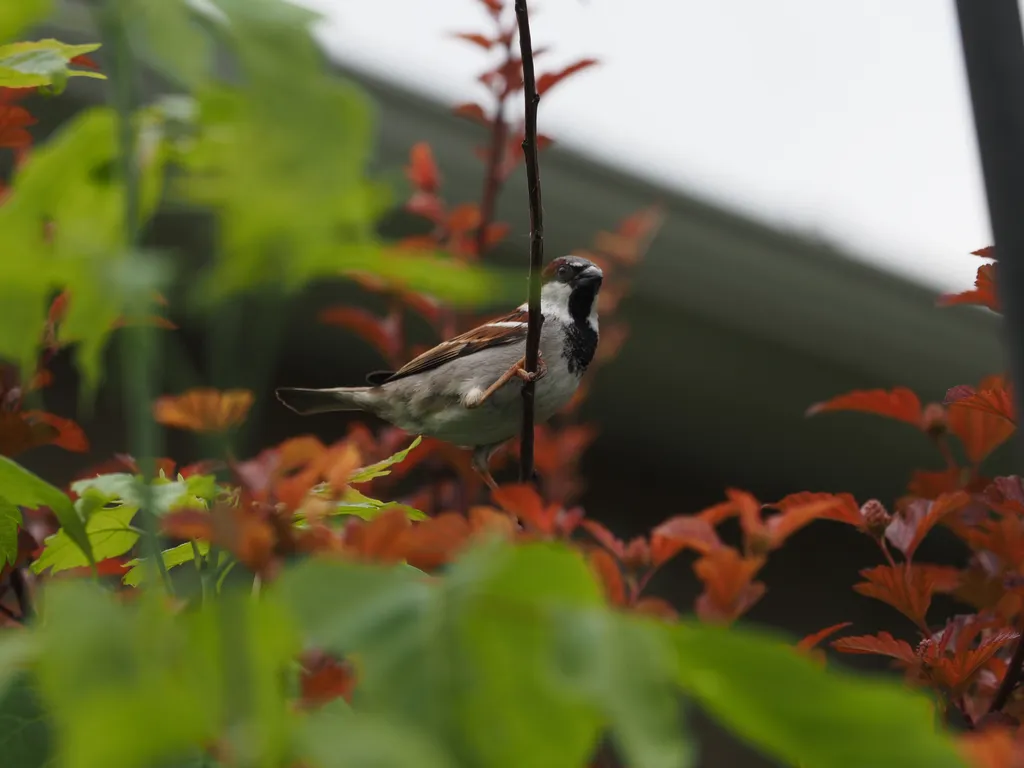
<point x="494" y="6"/>
<point x="958" y="670"/>
<point x="983" y="294"/>
<point x="900" y="404"/>
<point x="523" y="501"/>
<point x="909" y="527"/>
<point x="82" y="60"/>
<point x="434" y="542"/>
<point x="326" y="679"/>
<point x="981" y="419"/>
<point x="729" y="589"/>
<point x="810" y="641"/>
<point x="608" y="572"/>
<point x="380" y="540"/>
<point x="907" y="589"/>
<point x="429" y="206"/>
<point x="655" y="607"/>
<point x="203" y="409"/>
<point x="14" y="121"/>
<point x="549" y="80"/>
<point x="471" y="37"/>
<point x="681" y="532"/>
<point x="993" y="747"/>
<point x="931" y="485"/>
<point x="384" y="333"/>
<point x="843" y="507"/>
<point x="797" y="515"/>
<point x="882" y="644"/>
<point x="1005" y="495"/>
<point x="472" y="111"/>
<point x="246" y="534"/>
<point x="69" y="435"/>
<point x="992" y="397"/>
<point x="988" y="252"/>
<point x="496" y="232"/>
<point x="464" y="218"/>
<point x="422" y="170"/>
<point x="604" y="537"/>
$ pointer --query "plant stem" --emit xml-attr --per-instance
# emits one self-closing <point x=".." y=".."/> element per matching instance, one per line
<point x="137" y="350"/>
<point x="197" y="558"/>
<point x="532" y="101"/>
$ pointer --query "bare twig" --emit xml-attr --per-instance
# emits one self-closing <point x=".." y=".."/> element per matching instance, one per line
<point x="532" y="99"/>
<point x="993" y="50"/>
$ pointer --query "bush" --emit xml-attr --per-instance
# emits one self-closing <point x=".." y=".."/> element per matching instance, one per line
<point x="329" y="604"/>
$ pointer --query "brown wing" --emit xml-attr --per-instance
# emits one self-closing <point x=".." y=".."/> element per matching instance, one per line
<point x="508" y="329"/>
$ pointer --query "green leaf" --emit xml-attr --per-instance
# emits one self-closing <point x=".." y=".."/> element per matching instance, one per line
<point x="21" y="487"/>
<point x="140" y="684"/>
<point x="10" y="522"/>
<point x="381" y="468"/>
<point x="165" y="34"/>
<point x="71" y="181"/>
<point x="455" y="282"/>
<point x="350" y="739"/>
<point x="290" y="214"/>
<point x="470" y="659"/>
<point x="16" y="17"/>
<point x="628" y="667"/>
<point x="17" y="649"/>
<point x="108" y="529"/>
<point x="358" y="505"/>
<point x="41" y="63"/>
<point x="26" y="733"/>
<point x="792" y="710"/>
<point x="175" y="556"/>
<point x="196" y="491"/>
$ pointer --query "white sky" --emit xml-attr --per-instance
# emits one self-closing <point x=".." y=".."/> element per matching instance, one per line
<point x="850" y="120"/>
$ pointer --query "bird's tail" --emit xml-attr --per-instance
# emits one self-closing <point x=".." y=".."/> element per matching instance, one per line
<point x="309" y="401"/>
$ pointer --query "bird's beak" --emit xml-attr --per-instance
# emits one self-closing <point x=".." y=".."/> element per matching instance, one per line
<point x="590" y="275"/>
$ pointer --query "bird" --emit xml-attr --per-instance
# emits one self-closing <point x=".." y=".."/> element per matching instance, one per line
<point x="466" y="390"/>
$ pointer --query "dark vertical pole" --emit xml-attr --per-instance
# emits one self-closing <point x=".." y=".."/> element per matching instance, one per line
<point x="531" y="152"/>
<point x="993" y="48"/>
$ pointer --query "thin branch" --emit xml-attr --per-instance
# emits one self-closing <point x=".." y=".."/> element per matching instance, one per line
<point x="530" y="151"/>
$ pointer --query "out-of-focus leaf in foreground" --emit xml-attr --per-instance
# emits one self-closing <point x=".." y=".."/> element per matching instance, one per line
<point x="18" y="16"/>
<point x="71" y="183"/>
<point x="283" y="160"/>
<point x="135" y="684"/>
<point x="479" y="657"/>
<point x="792" y="709"/>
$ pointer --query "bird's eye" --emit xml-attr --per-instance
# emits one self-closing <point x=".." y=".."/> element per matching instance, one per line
<point x="564" y="272"/>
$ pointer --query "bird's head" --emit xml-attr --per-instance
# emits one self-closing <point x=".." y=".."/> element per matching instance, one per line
<point x="571" y="286"/>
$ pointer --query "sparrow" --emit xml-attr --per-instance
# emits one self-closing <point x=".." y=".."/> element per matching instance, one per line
<point x="466" y="390"/>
